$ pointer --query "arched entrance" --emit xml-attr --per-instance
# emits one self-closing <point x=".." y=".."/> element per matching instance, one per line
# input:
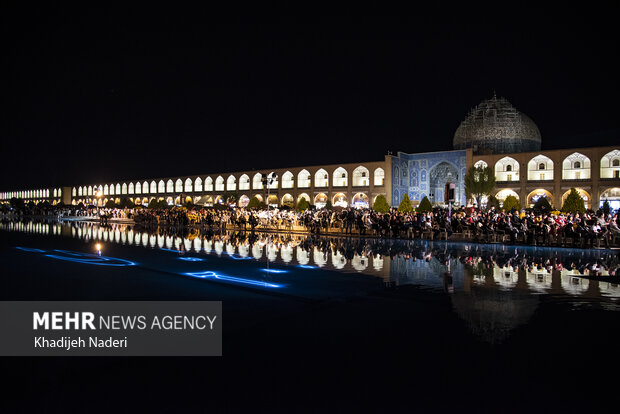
<point x="587" y="200"/>
<point x="244" y="201"/>
<point x="320" y="200"/>
<point x="442" y="174"/>
<point x="533" y="197"/>
<point x="360" y="200"/>
<point x="612" y="196"/>
<point x="288" y="200"/>
<point x="273" y="201"/>
<point x="502" y="194"/>
<point x="340" y="200"/>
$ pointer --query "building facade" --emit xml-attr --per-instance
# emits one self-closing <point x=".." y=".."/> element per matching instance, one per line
<point x="493" y="134"/>
<point x="427" y="175"/>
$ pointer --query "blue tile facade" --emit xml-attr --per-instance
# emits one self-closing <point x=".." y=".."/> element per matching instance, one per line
<point x="426" y="174"/>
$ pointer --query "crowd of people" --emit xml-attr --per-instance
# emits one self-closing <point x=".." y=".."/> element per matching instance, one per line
<point x="553" y="228"/>
<point x="515" y="227"/>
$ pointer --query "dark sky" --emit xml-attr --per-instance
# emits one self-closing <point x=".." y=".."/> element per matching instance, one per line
<point x="99" y="97"/>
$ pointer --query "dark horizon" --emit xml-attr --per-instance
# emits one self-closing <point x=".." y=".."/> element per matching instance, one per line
<point x="96" y="102"/>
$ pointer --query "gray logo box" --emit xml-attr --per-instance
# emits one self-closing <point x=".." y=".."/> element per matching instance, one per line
<point x="169" y="328"/>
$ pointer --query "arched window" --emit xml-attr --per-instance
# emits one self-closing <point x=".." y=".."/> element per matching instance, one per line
<point x="169" y="186"/>
<point x="188" y="185"/>
<point x="340" y="177"/>
<point x="610" y="165"/>
<point x="244" y="182"/>
<point x="360" y="177"/>
<point x="219" y="183"/>
<point x="138" y="188"/>
<point x="576" y="167"/>
<point x="208" y="184"/>
<point x="231" y="183"/>
<point x="178" y="186"/>
<point x="379" y="176"/>
<point x="257" y="182"/>
<point x="273" y="181"/>
<point x="198" y="184"/>
<point x="118" y="189"/>
<point x="540" y="168"/>
<point x="303" y="179"/>
<point x="288" y="180"/>
<point x="130" y="188"/>
<point x="105" y="190"/>
<point x="161" y="186"/>
<point x="507" y="169"/>
<point x="145" y="188"/>
<point x="153" y="187"/>
<point x="124" y="189"/>
<point x="321" y="178"/>
<point x="481" y="164"/>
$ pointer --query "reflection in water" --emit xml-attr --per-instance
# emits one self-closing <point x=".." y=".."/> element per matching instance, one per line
<point x="494" y="288"/>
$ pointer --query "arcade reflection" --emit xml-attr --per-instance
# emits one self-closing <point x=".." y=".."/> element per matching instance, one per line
<point x="493" y="288"/>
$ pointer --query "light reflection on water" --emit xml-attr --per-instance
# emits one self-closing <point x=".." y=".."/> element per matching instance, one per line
<point x="398" y="262"/>
<point x="493" y="288"/>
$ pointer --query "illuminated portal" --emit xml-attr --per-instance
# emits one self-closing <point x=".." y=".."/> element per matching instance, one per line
<point x="360" y="201"/>
<point x="320" y="200"/>
<point x="426" y="175"/>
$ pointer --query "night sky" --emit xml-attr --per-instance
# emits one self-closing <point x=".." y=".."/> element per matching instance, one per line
<point x="102" y="98"/>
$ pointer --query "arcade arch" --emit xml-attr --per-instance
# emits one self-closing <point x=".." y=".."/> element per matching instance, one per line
<point x="288" y="180"/>
<point x="535" y="195"/>
<point x="304" y="179"/>
<point x="340" y="200"/>
<point x="219" y="184"/>
<point x="507" y="169"/>
<point x="360" y="200"/>
<point x="540" y="168"/>
<point x="231" y="183"/>
<point x="583" y="193"/>
<point x="612" y="196"/>
<point x="320" y="200"/>
<point x="288" y="200"/>
<point x="361" y="177"/>
<point x="610" y="165"/>
<point x="321" y="178"/>
<point x="244" y="182"/>
<point x="340" y="178"/>
<point x="576" y="167"/>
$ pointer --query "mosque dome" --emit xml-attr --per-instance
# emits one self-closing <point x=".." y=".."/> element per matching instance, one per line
<point x="496" y="127"/>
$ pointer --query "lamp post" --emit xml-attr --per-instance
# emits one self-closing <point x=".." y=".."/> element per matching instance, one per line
<point x="99" y="194"/>
<point x="268" y="180"/>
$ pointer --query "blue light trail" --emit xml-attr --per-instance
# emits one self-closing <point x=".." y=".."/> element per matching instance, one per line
<point x="211" y="274"/>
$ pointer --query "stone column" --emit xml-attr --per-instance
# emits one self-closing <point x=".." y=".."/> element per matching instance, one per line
<point x="595" y="177"/>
